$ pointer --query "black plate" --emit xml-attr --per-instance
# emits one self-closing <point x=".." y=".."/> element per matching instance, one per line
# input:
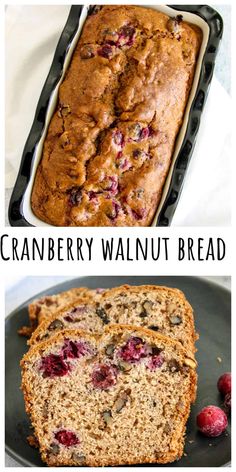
<point x="215" y="23"/>
<point x="212" y="305"/>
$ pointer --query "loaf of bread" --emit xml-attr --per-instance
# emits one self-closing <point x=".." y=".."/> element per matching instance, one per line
<point x="110" y="142"/>
<point x="120" y="398"/>
<point x="161" y="309"/>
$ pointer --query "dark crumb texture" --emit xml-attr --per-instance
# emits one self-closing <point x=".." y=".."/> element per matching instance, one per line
<point x="109" y="144"/>
<point x="86" y="409"/>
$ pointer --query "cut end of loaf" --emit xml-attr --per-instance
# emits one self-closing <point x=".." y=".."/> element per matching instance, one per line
<point x="119" y="398"/>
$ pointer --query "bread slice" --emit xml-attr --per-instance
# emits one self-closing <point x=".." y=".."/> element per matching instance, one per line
<point x="122" y="397"/>
<point x="42" y="308"/>
<point x="161" y="309"/>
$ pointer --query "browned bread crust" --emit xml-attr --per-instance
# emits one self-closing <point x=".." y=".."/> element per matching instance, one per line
<point x="110" y="142"/>
<point x="159" y="308"/>
<point x="42" y="308"/>
<point x="110" y="433"/>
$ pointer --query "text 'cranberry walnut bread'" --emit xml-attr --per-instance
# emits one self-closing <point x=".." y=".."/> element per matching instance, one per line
<point x="110" y="142"/>
<point x="91" y="408"/>
<point x="42" y="308"/>
<point x="161" y="309"/>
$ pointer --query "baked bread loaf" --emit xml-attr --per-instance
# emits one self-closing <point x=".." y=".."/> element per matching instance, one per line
<point x="110" y="142"/>
<point x="161" y="309"/>
<point x="92" y="408"/>
<point x="42" y="308"/>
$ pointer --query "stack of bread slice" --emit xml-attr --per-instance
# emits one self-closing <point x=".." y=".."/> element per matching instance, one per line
<point x="110" y="375"/>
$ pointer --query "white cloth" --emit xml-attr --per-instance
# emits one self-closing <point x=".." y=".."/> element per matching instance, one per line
<point x="32" y="33"/>
<point x="206" y="199"/>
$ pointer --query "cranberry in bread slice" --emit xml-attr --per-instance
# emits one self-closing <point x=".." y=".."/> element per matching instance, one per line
<point x="122" y="397"/>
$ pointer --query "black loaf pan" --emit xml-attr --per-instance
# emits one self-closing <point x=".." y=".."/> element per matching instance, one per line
<point x="215" y="23"/>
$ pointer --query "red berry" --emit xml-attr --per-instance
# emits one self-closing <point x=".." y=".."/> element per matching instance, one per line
<point x="133" y="350"/>
<point x="224" y="383"/>
<point x="75" y="349"/>
<point x="212" y="421"/>
<point x="139" y="214"/>
<point x="111" y="184"/>
<point x="67" y="438"/>
<point x="105" y="51"/>
<point x="145" y="133"/>
<point x="126" y="35"/>
<point x="54" y="365"/>
<point x="92" y="195"/>
<point x="156" y="361"/>
<point x="227" y="403"/>
<point x="75" y="196"/>
<point x="118" y="138"/>
<point x="104" y="376"/>
<point x="124" y="163"/>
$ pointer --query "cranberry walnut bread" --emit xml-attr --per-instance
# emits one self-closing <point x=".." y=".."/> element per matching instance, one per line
<point x="110" y="142"/>
<point x="161" y="309"/>
<point x="87" y="409"/>
<point x="44" y="307"/>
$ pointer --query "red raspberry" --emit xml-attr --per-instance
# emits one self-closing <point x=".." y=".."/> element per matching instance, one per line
<point x="67" y="438"/>
<point x="212" y="421"/>
<point x="224" y="383"/>
<point x="227" y="403"/>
